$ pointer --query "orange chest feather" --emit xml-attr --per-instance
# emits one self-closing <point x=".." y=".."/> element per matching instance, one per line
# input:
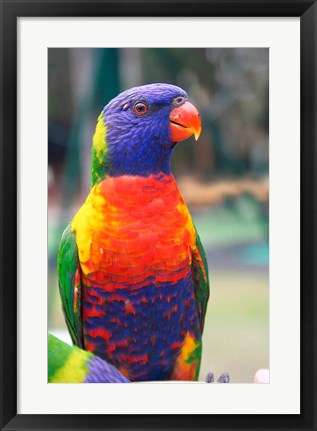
<point x="133" y="228"/>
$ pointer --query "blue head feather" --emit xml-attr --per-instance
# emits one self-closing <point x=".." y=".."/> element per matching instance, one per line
<point x="141" y="145"/>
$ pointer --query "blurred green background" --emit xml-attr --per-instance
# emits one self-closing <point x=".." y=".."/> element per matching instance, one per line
<point x="223" y="177"/>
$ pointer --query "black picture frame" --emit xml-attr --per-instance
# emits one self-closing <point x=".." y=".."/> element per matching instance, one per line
<point x="10" y="11"/>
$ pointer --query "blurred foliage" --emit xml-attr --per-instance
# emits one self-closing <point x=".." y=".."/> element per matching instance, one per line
<point x="223" y="177"/>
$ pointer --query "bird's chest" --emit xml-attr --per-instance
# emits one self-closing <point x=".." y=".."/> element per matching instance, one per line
<point x="135" y="239"/>
<point x="133" y="231"/>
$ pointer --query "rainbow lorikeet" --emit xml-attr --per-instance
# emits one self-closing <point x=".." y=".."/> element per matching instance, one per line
<point x="133" y="274"/>
<point x="68" y="364"/>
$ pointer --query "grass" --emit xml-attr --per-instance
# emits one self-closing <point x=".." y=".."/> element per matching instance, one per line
<point x="236" y="335"/>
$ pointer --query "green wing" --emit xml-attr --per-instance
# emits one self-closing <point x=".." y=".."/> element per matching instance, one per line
<point x="69" y="284"/>
<point x="201" y="280"/>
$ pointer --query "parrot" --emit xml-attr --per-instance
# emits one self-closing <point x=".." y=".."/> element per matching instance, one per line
<point x="67" y="364"/>
<point x="132" y="271"/>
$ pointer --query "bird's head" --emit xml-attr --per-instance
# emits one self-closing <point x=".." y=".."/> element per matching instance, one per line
<point x="137" y="131"/>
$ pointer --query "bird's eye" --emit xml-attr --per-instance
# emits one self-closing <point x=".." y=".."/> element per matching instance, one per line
<point x="140" y="108"/>
<point x="179" y="100"/>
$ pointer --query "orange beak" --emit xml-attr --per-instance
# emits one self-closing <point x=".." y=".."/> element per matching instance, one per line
<point x="184" y="122"/>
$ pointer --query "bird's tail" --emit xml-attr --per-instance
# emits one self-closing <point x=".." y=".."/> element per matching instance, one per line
<point x="67" y="364"/>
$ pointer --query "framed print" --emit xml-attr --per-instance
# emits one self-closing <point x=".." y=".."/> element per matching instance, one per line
<point x="247" y="72"/>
